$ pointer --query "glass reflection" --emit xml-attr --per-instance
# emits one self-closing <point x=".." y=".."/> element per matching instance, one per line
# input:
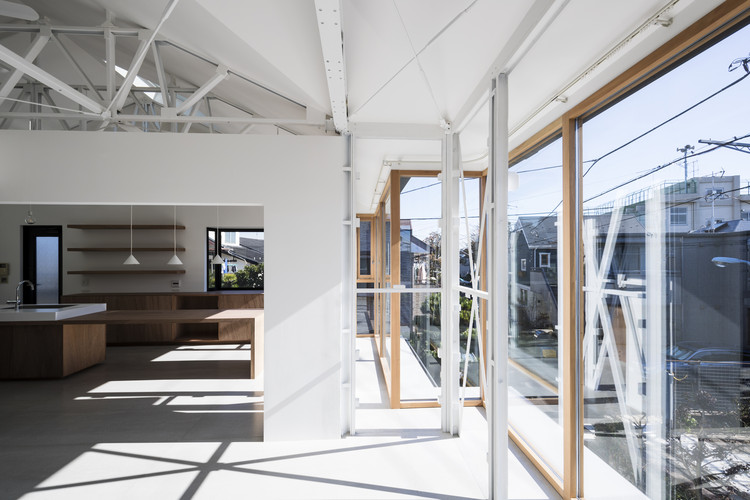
<point x="535" y="339"/>
<point x="666" y="351"/>
<point x="419" y="261"/>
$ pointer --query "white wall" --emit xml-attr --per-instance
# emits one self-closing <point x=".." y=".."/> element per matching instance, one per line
<point x="298" y="182"/>
<point x="193" y="238"/>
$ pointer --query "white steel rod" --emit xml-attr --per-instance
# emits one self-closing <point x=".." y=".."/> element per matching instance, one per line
<point x="161" y="74"/>
<point x="140" y="55"/>
<point x="39" y="43"/>
<point x="365" y="291"/>
<point x="109" y="51"/>
<point x="75" y="65"/>
<point x="473" y="291"/>
<point x="161" y="119"/>
<point x="219" y="76"/>
<point x="54" y="83"/>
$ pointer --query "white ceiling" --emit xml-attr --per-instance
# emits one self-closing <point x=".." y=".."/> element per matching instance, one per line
<point x="409" y="64"/>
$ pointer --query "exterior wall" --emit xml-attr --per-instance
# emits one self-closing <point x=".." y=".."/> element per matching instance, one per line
<point x="298" y="180"/>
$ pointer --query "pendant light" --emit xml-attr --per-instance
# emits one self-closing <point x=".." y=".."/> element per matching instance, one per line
<point x="217" y="260"/>
<point x="131" y="260"/>
<point x="175" y="261"/>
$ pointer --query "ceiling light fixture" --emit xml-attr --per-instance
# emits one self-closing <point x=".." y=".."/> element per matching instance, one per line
<point x="30" y="219"/>
<point x="175" y="261"/>
<point x="217" y="260"/>
<point x="131" y="260"/>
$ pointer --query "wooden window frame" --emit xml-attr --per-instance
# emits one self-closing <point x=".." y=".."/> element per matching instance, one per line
<point x="711" y="28"/>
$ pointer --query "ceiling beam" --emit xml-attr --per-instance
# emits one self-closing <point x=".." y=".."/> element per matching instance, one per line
<point x="161" y="74"/>
<point x="138" y="59"/>
<point x="36" y="48"/>
<point x="331" y="40"/>
<point x="75" y="65"/>
<point x="109" y="54"/>
<point x="161" y="118"/>
<point x="536" y="21"/>
<point x="18" y="62"/>
<point x="221" y="73"/>
<point x="407" y="131"/>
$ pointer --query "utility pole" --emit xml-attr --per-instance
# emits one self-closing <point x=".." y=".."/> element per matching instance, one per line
<point x="688" y="148"/>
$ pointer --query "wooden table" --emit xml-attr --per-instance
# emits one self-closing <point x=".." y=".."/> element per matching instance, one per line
<point x="55" y="349"/>
<point x="235" y="325"/>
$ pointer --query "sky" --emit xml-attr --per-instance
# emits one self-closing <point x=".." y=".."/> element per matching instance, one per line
<point x="721" y="118"/>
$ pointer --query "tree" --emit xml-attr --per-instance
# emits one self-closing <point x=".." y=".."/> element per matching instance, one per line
<point x="250" y="277"/>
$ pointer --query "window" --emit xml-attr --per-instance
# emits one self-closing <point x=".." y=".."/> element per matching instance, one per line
<point x="655" y="428"/>
<point x="678" y="216"/>
<point x="365" y="248"/>
<point x="242" y="258"/>
<point x="523" y="265"/>
<point x="544" y="259"/>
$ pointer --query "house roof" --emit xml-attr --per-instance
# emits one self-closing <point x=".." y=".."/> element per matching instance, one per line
<point x="729" y="226"/>
<point x="540" y="232"/>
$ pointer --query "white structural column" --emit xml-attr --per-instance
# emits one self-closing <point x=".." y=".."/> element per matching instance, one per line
<point x="497" y="341"/>
<point x="450" y="355"/>
<point x="348" y="296"/>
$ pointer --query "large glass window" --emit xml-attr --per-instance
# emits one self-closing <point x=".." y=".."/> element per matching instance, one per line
<point x="535" y="336"/>
<point x="241" y="252"/>
<point x="419" y="259"/>
<point x="666" y="349"/>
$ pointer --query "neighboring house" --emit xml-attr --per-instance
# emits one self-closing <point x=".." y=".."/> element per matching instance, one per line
<point x="534" y="261"/>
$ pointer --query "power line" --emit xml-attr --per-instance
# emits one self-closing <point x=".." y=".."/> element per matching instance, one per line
<point x="631" y="141"/>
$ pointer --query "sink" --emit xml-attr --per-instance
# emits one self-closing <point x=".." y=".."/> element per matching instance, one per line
<point x="48" y="312"/>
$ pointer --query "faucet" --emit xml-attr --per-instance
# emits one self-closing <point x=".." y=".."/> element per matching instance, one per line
<point x="19" y="297"/>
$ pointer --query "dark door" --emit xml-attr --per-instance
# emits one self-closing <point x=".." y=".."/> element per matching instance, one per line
<point x="42" y="264"/>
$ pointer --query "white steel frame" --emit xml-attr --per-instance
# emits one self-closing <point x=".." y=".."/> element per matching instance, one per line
<point x="124" y="106"/>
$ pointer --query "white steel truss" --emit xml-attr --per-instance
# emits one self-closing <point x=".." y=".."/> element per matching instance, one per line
<point x="100" y="99"/>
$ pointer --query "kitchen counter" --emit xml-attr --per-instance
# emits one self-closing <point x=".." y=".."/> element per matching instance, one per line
<point x="47" y="312"/>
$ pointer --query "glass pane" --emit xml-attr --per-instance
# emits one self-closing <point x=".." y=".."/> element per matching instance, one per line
<point x="386" y="280"/>
<point x="211" y="252"/>
<point x="243" y="253"/>
<point x="420" y="206"/>
<point x="365" y="310"/>
<point x="470" y="363"/>
<point x="469" y="208"/>
<point x="420" y="341"/>
<point x="364" y="248"/>
<point x="535" y="339"/>
<point x="666" y="290"/>
<point x="468" y="227"/>
<point x="47" y="270"/>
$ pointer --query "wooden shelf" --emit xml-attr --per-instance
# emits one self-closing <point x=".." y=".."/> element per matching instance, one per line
<point x="124" y="226"/>
<point x="134" y="271"/>
<point x="125" y="249"/>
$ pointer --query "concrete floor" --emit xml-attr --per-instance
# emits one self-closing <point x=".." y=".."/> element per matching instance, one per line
<point x="170" y="422"/>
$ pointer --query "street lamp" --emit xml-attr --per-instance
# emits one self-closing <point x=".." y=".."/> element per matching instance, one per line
<point x="723" y="261"/>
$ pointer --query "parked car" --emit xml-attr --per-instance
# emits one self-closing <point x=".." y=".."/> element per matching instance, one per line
<point x="722" y="370"/>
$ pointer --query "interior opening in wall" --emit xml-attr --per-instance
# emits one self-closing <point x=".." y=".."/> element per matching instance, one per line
<point x="97" y="240"/>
